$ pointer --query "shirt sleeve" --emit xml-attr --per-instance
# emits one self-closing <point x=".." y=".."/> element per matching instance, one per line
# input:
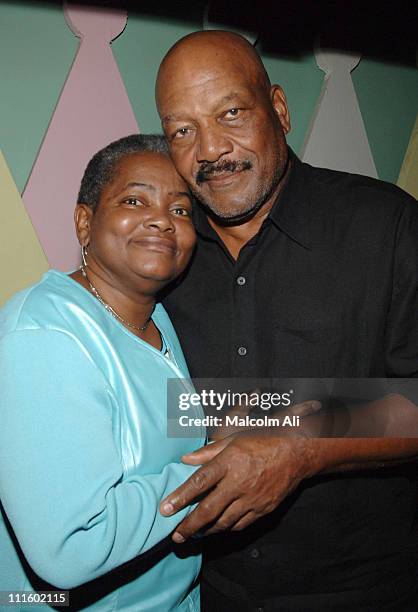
<point x="402" y="321"/>
<point x="60" y="472"/>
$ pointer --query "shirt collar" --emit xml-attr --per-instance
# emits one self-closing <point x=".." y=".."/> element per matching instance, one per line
<point x="290" y="212"/>
<point x="292" y="208"/>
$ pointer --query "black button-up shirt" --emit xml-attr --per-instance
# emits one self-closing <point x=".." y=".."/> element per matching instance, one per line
<point x="327" y="288"/>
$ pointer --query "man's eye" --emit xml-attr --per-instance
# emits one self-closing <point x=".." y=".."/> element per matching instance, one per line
<point x="232" y="113"/>
<point x="181" y="133"/>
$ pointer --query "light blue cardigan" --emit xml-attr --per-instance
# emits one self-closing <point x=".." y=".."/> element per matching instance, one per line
<point x="84" y="454"/>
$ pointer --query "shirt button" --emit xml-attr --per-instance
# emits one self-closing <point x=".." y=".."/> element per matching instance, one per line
<point x="255" y="553"/>
<point x="241" y="280"/>
<point x="242" y="351"/>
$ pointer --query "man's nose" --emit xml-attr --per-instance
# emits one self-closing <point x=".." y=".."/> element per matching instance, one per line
<point x="213" y="144"/>
<point x="160" y="220"/>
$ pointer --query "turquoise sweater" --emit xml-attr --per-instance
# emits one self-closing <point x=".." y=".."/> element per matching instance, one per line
<point x="84" y="454"/>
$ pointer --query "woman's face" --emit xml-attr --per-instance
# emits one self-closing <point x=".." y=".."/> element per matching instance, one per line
<point x="142" y="228"/>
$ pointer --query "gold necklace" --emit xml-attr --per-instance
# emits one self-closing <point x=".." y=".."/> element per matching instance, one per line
<point x="109" y="308"/>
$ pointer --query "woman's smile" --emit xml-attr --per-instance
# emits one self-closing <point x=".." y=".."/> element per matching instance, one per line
<point x="157" y="243"/>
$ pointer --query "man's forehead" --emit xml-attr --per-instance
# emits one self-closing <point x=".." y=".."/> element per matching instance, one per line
<point x="190" y="74"/>
<point x="202" y="93"/>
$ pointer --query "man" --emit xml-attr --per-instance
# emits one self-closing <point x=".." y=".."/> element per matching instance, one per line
<point x="299" y="272"/>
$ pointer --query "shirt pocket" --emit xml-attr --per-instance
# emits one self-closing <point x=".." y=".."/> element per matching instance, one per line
<point x="337" y="348"/>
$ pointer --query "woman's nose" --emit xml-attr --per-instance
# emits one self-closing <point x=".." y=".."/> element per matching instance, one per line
<point x="160" y="219"/>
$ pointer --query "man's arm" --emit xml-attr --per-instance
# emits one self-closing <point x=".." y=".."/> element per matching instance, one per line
<point x="247" y="476"/>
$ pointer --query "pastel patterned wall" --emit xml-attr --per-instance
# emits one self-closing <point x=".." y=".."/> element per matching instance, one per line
<point x="93" y="109"/>
<point x="337" y="137"/>
<point x="63" y="99"/>
<point x="408" y="176"/>
<point x="22" y="259"/>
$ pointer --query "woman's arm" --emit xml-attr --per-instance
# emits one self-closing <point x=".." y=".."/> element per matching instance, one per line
<point x="60" y="471"/>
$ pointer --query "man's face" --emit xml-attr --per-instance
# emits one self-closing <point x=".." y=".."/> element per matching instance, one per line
<point x="225" y="132"/>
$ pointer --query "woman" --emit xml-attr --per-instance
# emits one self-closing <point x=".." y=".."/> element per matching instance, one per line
<point x="84" y="362"/>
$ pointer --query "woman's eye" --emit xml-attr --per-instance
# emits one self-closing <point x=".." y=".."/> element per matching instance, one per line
<point x="132" y="201"/>
<point x="182" y="212"/>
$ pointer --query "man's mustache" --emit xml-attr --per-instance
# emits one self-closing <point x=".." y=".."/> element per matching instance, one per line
<point x="209" y="168"/>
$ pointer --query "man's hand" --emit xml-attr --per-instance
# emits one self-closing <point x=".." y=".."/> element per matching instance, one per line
<point x="243" y="477"/>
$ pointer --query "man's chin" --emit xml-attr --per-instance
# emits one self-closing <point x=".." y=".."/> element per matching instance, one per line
<point x="229" y="216"/>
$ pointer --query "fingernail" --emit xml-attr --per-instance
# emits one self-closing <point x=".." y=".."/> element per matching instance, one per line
<point x="315" y="405"/>
<point x="167" y="508"/>
<point x="178" y="538"/>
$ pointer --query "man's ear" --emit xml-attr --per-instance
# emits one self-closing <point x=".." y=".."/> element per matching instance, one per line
<point x="83" y="215"/>
<point x="279" y="102"/>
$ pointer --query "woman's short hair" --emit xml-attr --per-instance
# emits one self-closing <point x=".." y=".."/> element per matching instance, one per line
<point x="101" y="167"/>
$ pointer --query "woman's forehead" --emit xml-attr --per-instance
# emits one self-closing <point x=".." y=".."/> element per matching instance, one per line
<point x="149" y="169"/>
